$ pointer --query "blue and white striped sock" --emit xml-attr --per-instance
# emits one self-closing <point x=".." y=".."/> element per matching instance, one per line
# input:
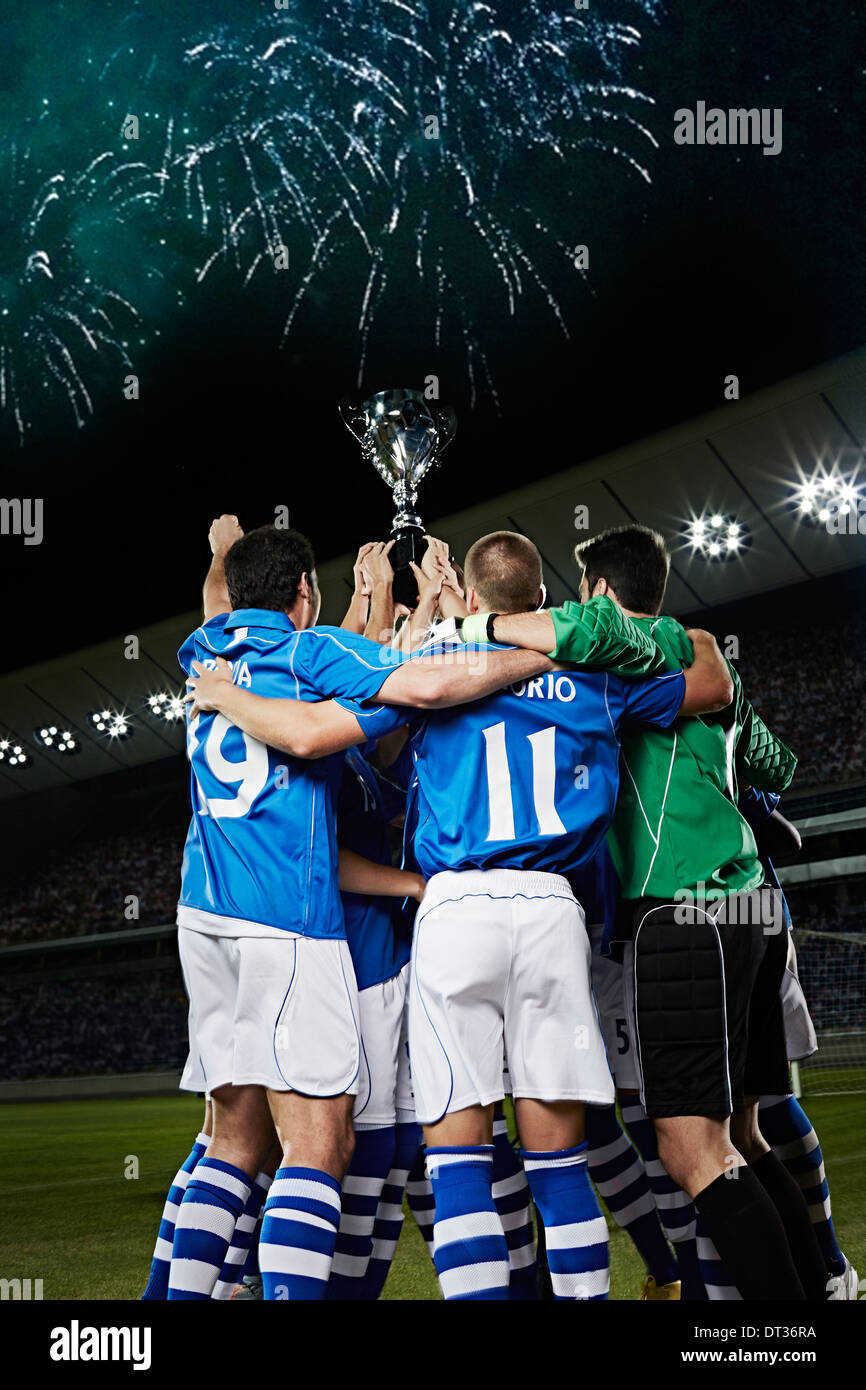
<point x="250" y="1265"/>
<point x="419" y="1195"/>
<point x="618" y="1172"/>
<point x="575" y="1231"/>
<point x="299" y="1233"/>
<point x="512" y="1198"/>
<point x="246" y="1230"/>
<point x="714" y="1272"/>
<point x="157" y="1283"/>
<point x="675" y="1208"/>
<point x="470" y="1251"/>
<point x="359" y="1202"/>
<point x="214" y="1199"/>
<point x="389" y="1213"/>
<point x="788" y="1130"/>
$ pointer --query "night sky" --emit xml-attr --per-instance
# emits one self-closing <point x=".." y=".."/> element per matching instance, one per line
<point x="727" y="261"/>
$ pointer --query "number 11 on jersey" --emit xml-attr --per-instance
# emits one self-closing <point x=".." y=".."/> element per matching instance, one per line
<point x="499" y="793"/>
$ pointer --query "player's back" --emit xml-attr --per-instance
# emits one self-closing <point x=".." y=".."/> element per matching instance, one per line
<point x="528" y="778"/>
<point x="261" y="847"/>
<point x="677" y="824"/>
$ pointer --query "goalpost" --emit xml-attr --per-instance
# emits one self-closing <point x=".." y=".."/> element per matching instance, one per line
<point x="832" y="970"/>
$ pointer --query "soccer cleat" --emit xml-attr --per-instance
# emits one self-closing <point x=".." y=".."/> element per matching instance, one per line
<point x="249" y="1287"/>
<point x="658" y="1293"/>
<point x="845" y="1286"/>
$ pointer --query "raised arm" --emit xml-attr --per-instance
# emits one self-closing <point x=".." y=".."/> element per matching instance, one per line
<point x="356" y="614"/>
<point x="452" y="600"/>
<point x="416" y="629"/>
<point x="380" y="576"/>
<point x="224" y="531"/>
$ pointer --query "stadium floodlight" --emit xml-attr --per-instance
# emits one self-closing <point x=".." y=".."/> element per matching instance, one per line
<point x="716" y="536"/>
<point x="60" y="740"/>
<point x="825" y="495"/>
<point x="13" y="753"/>
<point x="112" y="723"/>
<point x="166" y="706"/>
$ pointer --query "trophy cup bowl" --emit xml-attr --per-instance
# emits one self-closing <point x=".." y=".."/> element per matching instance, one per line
<point x="403" y="435"/>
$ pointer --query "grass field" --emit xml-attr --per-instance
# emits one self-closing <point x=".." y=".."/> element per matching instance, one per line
<point x="74" y="1220"/>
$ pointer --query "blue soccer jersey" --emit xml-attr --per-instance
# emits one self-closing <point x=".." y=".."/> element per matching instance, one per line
<point x="528" y="777"/>
<point x="261" y="848"/>
<point x="366" y="806"/>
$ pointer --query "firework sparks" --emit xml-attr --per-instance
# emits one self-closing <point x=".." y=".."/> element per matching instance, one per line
<point x="59" y="324"/>
<point x="428" y="148"/>
<point x="391" y="124"/>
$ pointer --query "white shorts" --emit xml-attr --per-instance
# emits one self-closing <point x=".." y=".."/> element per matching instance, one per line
<point x="616" y="1028"/>
<point x="385" y="1089"/>
<point x="800" y="1040"/>
<point x="268" y="1011"/>
<point x="500" y="962"/>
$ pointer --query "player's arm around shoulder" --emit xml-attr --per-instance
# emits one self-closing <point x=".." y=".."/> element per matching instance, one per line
<point x="709" y="684"/>
<point x="593" y="636"/>
<point x="305" y="729"/>
<point x="460" y="674"/>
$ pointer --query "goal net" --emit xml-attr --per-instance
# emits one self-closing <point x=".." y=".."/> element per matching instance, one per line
<point x="832" y="970"/>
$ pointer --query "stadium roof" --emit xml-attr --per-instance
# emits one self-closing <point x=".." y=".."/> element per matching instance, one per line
<point x="742" y="461"/>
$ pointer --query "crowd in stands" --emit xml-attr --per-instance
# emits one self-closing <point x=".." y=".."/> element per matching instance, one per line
<point x="88" y="889"/>
<point x="112" y="1023"/>
<point x="808" y="683"/>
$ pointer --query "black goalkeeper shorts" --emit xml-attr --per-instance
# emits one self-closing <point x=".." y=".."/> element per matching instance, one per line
<point x="705" y="998"/>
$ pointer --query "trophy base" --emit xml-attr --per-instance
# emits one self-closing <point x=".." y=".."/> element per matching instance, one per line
<point x="409" y="545"/>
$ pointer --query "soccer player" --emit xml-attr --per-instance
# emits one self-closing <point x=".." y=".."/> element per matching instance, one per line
<point x="386" y="1132"/>
<point x="615" y="1166"/>
<point x="783" y="1121"/>
<point x="623" y="1159"/>
<point x="705" y="970"/>
<point x="273" y="997"/>
<point x="508" y="798"/>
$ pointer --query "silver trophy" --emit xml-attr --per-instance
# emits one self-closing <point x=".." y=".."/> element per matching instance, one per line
<point x="403" y="435"/>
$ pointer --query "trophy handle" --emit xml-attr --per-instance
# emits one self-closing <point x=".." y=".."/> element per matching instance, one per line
<point x="446" y="422"/>
<point x="353" y="417"/>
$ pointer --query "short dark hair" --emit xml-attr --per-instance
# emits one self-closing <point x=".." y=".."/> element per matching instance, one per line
<point x="263" y="569"/>
<point x="635" y="562"/>
<point x="505" y="568"/>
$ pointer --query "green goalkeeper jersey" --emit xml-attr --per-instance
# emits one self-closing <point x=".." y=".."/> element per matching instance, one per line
<point x="676" y="824"/>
